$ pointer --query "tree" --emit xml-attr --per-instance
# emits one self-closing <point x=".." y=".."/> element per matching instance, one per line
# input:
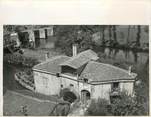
<point x="138" y="36"/>
<point x="110" y="32"/>
<point x="114" y="33"/>
<point x="126" y="106"/>
<point x="98" y="108"/>
<point x="128" y="35"/>
<point x="142" y="90"/>
<point x="103" y="35"/>
<point x="115" y="43"/>
<point x="67" y="35"/>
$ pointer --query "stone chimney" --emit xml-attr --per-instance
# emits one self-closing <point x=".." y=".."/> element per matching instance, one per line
<point x="130" y="70"/>
<point x="74" y="49"/>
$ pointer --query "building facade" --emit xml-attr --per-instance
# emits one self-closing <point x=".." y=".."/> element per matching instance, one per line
<point x="82" y="75"/>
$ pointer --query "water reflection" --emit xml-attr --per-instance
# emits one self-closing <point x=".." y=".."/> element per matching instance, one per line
<point x="129" y="56"/>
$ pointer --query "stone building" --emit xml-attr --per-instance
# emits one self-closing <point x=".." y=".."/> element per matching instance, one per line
<point x="82" y="75"/>
<point x="40" y="37"/>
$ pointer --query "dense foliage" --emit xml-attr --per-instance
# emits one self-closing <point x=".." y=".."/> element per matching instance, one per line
<point x="142" y="89"/>
<point x="98" y="108"/>
<point x="20" y="60"/>
<point x="123" y="106"/>
<point x="67" y="35"/>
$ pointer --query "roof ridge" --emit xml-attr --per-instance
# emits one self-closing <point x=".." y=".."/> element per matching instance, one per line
<point x="81" y="54"/>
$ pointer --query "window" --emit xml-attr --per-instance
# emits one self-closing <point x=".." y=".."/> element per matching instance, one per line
<point x="71" y="85"/>
<point x="68" y="70"/>
<point x="115" y="86"/>
<point x="61" y="85"/>
<point x="85" y="80"/>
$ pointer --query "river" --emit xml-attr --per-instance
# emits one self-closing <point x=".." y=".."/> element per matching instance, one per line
<point x="138" y="59"/>
<point x="9" y="81"/>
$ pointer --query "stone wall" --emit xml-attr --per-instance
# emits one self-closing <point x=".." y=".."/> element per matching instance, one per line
<point x="50" y="85"/>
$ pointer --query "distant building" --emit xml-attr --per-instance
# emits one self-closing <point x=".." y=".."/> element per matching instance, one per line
<point x="82" y="75"/>
<point x="11" y="42"/>
<point x="41" y="37"/>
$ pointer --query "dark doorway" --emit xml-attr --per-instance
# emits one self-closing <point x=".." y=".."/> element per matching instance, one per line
<point x="85" y="96"/>
<point x="24" y="39"/>
<point x="46" y="34"/>
<point x="37" y="38"/>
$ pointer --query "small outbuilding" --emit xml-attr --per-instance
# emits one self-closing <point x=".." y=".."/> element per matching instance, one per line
<point x="39" y="37"/>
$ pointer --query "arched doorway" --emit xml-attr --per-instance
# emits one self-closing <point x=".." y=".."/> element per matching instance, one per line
<point x="85" y="96"/>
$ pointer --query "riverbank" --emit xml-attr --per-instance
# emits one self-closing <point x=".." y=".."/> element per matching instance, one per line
<point x="26" y="80"/>
<point x="26" y="97"/>
<point x="24" y="63"/>
<point x="123" y="47"/>
<point x="30" y="57"/>
<point x="40" y="54"/>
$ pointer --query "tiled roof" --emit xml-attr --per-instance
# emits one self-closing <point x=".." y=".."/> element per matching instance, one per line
<point x="81" y="59"/>
<point x="95" y="71"/>
<point x="52" y="65"/>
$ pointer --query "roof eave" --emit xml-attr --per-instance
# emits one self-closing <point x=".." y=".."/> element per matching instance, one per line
<point x="111" y="81"/>
<point x="43" y="71"/>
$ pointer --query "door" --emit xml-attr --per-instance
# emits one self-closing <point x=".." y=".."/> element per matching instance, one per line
<point x="85" y="96"/>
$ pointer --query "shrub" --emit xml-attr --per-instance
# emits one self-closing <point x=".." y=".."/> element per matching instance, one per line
<point x="98" y="108"/>
<point x="20" y="59"/>
<point x="126" y="106"/>
<point x="123" y="106"/>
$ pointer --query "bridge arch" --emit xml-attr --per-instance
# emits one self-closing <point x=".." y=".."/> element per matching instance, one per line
<point x="68" y="95"/>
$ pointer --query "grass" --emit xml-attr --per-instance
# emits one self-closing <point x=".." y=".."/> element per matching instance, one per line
<point x="13" y="103"/>
<point x="39" y="96"/>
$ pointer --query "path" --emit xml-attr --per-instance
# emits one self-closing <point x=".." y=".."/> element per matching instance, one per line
<point x="77" y="112"/>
